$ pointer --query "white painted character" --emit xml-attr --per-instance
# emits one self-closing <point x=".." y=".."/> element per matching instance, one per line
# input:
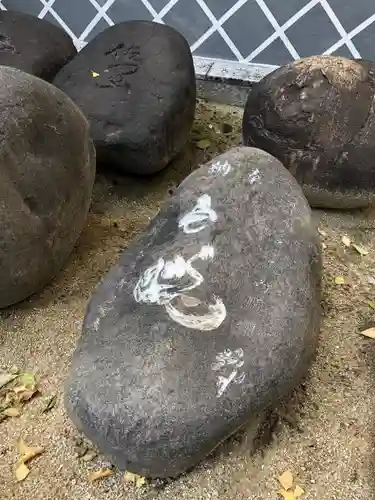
<point x="151" y="290"/>
<point x="204" y="322"/>
<point x="219" y="168"/>
<point x="103" y="310"/>
<point x="228" y="362"/>
<point x="199" y="217"/>
<point x="254" y="176"/>
<point x="166" y="284"/>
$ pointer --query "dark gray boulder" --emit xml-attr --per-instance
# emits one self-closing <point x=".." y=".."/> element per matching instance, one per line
<point x="317" y="117"/>
<point x="208" y="319"/>
<point x="47" y="170"/>
<point x="135" y="82"/>
<point x="33" y="45"/>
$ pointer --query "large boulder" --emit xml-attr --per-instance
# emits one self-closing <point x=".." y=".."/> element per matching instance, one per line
<point x="209" y="318"/>
<point x="317" y="117"/>
<point x="33" y="45"/>
<point x="47" y="170"/>
<point x="135" y="82"/>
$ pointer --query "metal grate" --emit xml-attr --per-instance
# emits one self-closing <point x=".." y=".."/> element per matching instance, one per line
<point x="241" y="39"/>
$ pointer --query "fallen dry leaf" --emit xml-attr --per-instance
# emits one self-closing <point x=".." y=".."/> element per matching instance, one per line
<point x="371" y="304"/>
<point x="25" y="396"/>
<point x="100" y="474"/>
<point x="51" y="403"/>
<point x="27" y="380"/>
<point x="22" y="471"/>
<point x="21" y="446"/>
<point x="10" y="399"/>
<point x="361" y="250"/>
<point x="89" y="455"/>
<point x="287" y="495"/>
<point x="298" y="491"/>
<point x="339" y="280"/>
<point x="19" y="389"/>
<point x="6" y="378"/>
<point x="346" y="240"/>
<point x="11" y="412"/>
<point x="370" y="333"/>
<point x="28" y="452"/>
<point x="26" y="388"/>
<point x="291" y="494"/>
<point x="137" y="480"/>
<point x="286" y="480"/>
<point x="94" y="74"/>
<point x="32" y="453"/>
<point x="203" y="144"/>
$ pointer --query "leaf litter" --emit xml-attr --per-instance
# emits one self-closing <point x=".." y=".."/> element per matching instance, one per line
<point x="359" y="248"/>
<point x="339" y="280"/>
<point x="100" y="474"/>
<point x="27" y="379"/>
<point x="51" y="403"/>
<point x="16" y="389"/>
<point x="27" y="453"/>
<point x="288" y="490"/>
<point x="89" y="456"/>
<point x="286" y="480"/>
<point x="346" y="241"/>
<point x="136" y="479"/>
<point x="369" y="332"/>
<point x="203" y="144"/>
<point x="6" y="378"/>
<point x="11" y="412"/>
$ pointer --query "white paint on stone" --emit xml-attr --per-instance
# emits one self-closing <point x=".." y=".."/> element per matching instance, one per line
<point x="254" y="176"/>
<point x="204" y="322"/>
<point x="148" y="290"/>
<point x="162" y="283"/>
<point x="96" y="323"/>
<point x="197" y="219"/>
<point x="220" y="168"/>
<point x="228" y="363"/>
<point x="207" y="252"/>
<point x="103" y="310"/>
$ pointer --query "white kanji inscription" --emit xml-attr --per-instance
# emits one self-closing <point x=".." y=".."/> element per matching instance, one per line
<point x="228" y="363"/>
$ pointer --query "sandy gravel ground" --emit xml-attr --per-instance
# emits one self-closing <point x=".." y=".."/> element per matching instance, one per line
<point x="324" y="435"/>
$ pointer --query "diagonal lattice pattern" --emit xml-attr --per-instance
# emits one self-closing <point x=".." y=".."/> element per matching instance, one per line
<point x="268" y="32"/>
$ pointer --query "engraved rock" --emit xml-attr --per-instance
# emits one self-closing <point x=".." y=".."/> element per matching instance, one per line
<point x="47" y="170"/>
<point x="33" y="45"/>
<point x="317" y="116"/>
<point x="136" y="84"/>
<point x="207" y="320"/>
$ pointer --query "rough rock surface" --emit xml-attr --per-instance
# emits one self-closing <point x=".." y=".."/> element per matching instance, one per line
<point x="317" y="117"/>
<point x="208" y="319"/>
<point x="47" y="170"/>
<point x="136" y="84"/>
<point x="33" y="45"/>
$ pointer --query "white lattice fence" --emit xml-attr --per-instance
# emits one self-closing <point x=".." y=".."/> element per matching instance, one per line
<point x="237" y="39"/>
